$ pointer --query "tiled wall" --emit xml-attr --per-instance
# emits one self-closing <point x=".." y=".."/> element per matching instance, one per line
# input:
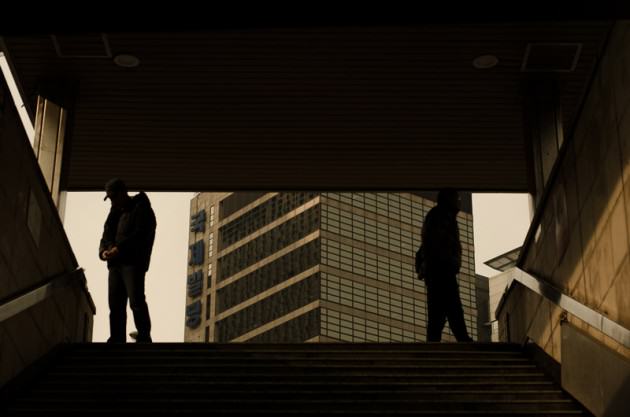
<point x="585" y="252"/>
<point x="33" y="247"/>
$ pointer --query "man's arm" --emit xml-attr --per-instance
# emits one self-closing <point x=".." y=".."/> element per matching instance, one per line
<point x="144" y="225"/>
<point x="107" y="240"/>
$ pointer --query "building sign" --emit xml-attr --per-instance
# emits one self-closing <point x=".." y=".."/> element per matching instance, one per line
<point x="198" y="222"/>
<point x="196" y="253"/>
<point x="195" y="284"/>
<point x="193" y="314"/>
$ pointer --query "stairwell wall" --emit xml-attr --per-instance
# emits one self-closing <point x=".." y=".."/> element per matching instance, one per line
<point x="33" y="248"/>
<point x="584" y="239"/>
<point x="583" y="244"/>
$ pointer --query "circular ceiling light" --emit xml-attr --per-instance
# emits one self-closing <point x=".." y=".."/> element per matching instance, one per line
<point x="485" y="61"/>
<point x="126" y="61"/>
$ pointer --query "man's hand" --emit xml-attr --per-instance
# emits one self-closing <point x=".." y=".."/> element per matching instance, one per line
<point x="111" y="253"/>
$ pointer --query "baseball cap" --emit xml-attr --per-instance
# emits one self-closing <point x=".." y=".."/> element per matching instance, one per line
<point x="114" y="186"/>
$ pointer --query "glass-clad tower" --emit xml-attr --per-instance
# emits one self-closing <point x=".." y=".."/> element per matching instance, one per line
<point x="309" y="267"/>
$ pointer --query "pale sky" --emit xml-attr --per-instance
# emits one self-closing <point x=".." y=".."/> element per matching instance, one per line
<point x="500" y="224"/>
<point x="166" y="279"/>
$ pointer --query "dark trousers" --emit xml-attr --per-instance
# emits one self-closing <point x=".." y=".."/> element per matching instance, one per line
<point x="126" y="281"/>
<point x="443" y="302"/>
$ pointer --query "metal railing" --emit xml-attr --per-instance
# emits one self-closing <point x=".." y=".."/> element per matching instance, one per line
<point x="594" y="318"/>
<point x="16" y="304"/>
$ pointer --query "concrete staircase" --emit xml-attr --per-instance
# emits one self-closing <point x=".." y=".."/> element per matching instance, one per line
<point x="293" y="379"/>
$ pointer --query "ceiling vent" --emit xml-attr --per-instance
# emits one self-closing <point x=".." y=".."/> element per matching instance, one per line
<point x="551" y="57"/>
<point x="87" y="45"/>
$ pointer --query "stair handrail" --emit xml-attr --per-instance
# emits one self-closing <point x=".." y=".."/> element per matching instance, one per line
<point x="15" y="304"/>
<point x="594" y="318"/>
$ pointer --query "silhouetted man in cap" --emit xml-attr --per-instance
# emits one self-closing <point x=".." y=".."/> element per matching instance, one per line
<point x="442" y="260"/>
<point x="126" y="245"/>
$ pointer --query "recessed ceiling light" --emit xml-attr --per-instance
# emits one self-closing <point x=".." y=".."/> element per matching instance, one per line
<point x="485" y="61"/>
<point x="126" y="61"/>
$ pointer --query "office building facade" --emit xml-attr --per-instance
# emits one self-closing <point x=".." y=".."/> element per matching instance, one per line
<point x="314" y="267"/>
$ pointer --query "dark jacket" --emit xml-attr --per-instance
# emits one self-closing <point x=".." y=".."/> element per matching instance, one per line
<point x="132" y="230"/>
<point x="440" y="241"/>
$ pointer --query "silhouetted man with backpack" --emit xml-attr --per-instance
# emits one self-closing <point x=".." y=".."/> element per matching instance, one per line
<point x="126" y="245"/>
<point x="438" y="262"/>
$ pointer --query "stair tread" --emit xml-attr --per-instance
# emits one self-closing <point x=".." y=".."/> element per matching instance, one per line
<point x="296" y="412"/>
<point x="310" y="357"/>
<point x="308" y="379"/>
<point x="301" y="365"/>
<point x="296" y="391"/>
<point x="317" y="400"/>
<point x="335" y="383"/>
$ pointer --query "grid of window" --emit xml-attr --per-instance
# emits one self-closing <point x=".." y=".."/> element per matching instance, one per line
<point x="209" y="281"/>
<point x="272" y="241"/>
<point x="297" y="330"/>
<point x="261" y="216"/>
<point x="268" y="309"/>
<point x="370" y="264"/>
<point x="211" y="216"/>
<point x="405" y="239"/>
<point x="350" y="328"/>
<point x="236" y="201"/>
<point x="397" y="230"/>
<point x="270" y="275"/>
<point x="391" y="303"/>
<point x="365" y="228"/>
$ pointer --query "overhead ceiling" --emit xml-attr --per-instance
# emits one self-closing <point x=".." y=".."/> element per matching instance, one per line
<point x="332" y="107"/>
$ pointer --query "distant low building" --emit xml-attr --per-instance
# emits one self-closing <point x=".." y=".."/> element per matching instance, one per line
<point x="498" y="284"/>
<point x="484" y="329"/>
<point x="504" y="261"/>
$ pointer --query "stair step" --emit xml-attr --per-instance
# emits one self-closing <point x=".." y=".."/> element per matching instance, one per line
<point x="477" y="348"/>
<point x="322" y="405"/>
<point x="310" y="413"/>
<point x="280" y="395"/>
<point x="297" y="366"/>
<point x="289" y="377"/>
<point x="251" y="349"/>
<point x="350" y="359"/>
<point x="410" y="379"/>
<point x="434" y="386"/>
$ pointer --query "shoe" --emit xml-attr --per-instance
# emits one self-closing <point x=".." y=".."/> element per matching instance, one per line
<point x="143" y="339"/>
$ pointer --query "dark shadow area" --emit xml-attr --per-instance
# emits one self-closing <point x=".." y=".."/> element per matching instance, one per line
<point x="619" y="406"/>
<point x="26" y="379"/>
<point x="547" y="363"/>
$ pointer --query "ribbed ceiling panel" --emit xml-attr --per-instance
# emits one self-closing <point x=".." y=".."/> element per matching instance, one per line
<point x="306" y="108"/>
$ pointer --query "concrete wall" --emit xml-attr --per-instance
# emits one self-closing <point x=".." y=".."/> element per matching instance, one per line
<point x="602" y="383"/>
<point x="33" y="247"/>
<point x="498" y="285"/>
<point x="584" y="239"/>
